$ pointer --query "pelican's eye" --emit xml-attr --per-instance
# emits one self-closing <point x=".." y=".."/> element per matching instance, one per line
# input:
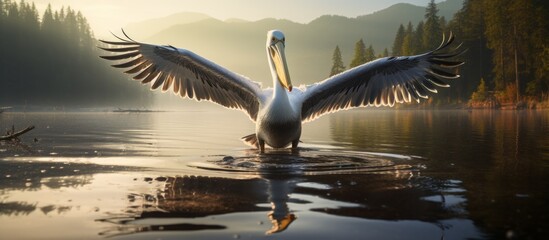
<point x="273" y="39"/>
<point x="284" y="39"/>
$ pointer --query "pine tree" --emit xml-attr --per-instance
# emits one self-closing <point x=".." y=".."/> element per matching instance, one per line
<point x="2" y="19"/>
<point x="528" y="29"/>
<point x="417" y="40"/>
<point x="480" y="94"/>
<point x="469" y="28"/>
<point x="385" y="53"/>
<point x="497" y="36"/>
<point x="29" y="16"/>
<point x="370" y="54"/>
<point x="337" y="66"/>
<point x="407" y="43"/>
<point x="442" y="23"/>
<point x="13" y="13"/>
<point x="47" y="19"/>
<point x="432" y="30"/>
<point x="399" y="40"/>
<point x="360" y="54"/>
<point x="2" y="10"/>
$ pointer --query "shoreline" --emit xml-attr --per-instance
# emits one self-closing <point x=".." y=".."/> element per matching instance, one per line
<point x="485" y="105"/>
<point x="521" y="105"/>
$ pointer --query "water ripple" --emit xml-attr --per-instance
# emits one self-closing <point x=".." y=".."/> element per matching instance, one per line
<point x="308" y="162"/>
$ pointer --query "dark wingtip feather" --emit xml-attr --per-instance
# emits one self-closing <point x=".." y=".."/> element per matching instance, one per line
<point x="443" y="74"/>
<point x="457" y="47"/>
<point x="436" y="81"/>
<point x="445" y="42"/>
<point x="445" y="63"/>
<point x="442" y="43"/>
<point x="121" y="56"/>
<point x="449" y="55"/>
<point x="117" y="43"/>
<point x="123" y="49"/>
<point x="122" y="39"/>
<point x="124" y="32"/>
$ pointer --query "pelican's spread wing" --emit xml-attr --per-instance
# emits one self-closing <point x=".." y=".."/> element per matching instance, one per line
<point x="186" y="73"/>
<point x="382" y="82"/>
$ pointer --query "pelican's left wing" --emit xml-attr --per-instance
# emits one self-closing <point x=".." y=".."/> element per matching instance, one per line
<point x="186" y="73"/>
<point x="381" y="82"/>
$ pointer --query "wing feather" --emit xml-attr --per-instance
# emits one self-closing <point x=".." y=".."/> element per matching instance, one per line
<point x="187" y="74"/>
<point x="151" y="76"/>
<point x="383" y="82"/>
<point x="137" y="67"/>
<point x="130" y="63"/>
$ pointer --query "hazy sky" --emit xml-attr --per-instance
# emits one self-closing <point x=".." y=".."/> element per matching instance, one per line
<point x="111" y="15"/>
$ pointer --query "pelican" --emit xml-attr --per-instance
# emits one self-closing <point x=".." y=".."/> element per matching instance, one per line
<point x="280" y="111"/>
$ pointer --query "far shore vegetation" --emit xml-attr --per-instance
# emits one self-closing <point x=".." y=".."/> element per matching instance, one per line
<point x="507" y="59"/>
<point x="52" y="60"/>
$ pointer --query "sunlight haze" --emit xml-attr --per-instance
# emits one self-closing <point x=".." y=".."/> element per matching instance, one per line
<point x="107" y="15"/>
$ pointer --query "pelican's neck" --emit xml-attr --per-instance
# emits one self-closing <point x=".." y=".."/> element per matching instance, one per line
<point x="280" y="104"/>
<point x="280" y="93"/>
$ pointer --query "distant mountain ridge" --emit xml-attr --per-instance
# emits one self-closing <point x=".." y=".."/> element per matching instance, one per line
<point x="152" y="26"/>
<point x="239" y="45"/>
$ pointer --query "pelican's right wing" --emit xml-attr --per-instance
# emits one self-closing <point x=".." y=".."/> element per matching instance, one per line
<point x="186" y="73"/>
<point x="382" y="82"/>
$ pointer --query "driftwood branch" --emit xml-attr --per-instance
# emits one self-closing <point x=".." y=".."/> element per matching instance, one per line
<point x="13" y="135"/>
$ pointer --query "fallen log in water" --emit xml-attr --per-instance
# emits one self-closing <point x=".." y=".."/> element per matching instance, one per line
<point x="13" y="135"/>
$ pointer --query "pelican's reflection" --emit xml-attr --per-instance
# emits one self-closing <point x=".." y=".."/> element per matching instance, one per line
<point x="282" y="172"/>
<point x="279" y="191"/>
<point x="185" y="203"/>
<point x="278" y="184"/>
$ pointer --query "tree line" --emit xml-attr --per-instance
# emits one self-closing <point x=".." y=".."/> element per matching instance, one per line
<point x="507" y="42"/>
<point x="52" y="60"/>
<point x="361" y="55"/>
<point x="508" y="47"/>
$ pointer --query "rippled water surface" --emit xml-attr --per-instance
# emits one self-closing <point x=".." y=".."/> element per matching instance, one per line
<point x="368" y="174"/>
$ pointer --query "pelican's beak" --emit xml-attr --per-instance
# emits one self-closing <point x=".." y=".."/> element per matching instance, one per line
<point x="279" y="60"/>
<point x="282" y="224"/>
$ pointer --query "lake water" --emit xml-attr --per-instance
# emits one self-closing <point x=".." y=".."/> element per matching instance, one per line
<point x="367" y="174"/>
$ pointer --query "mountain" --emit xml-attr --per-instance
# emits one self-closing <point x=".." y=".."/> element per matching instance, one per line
<point x="240" y="45"/>
<point x="449" y="8"/>
<point x="145" y="29"/>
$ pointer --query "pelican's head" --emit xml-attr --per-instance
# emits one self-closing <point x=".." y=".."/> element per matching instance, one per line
<point x="275" y="48"/>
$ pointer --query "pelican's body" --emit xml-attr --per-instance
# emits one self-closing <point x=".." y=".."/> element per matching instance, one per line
<point x="280" y="111"/>
<point x="278" y="122"/>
